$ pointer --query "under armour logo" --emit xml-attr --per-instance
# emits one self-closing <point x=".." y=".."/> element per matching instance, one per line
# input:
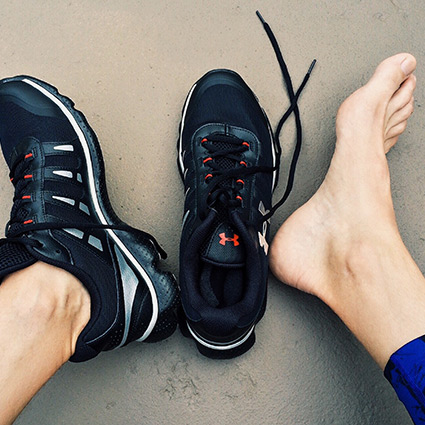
<point x="262" y="236"/>
<point x="224" y="239"/>
<point x="262" y="240"/>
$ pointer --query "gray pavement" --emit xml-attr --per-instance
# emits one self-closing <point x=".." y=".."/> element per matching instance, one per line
<point x="128" y="66"/>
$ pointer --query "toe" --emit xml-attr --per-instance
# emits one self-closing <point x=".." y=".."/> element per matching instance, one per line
<point x="391" y="73"/>
<point x="402" y="96"/>
<point x="396" y="130"/>
<point x="389" y="143"/>
<point x="401" y="115"/>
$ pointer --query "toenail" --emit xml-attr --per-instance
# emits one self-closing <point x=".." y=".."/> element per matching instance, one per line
<point x="408" y="66"/>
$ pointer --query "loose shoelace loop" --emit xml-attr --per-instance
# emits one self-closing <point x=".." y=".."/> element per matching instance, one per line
<point x="222" y="180"/>
<point x="293" y="108"/>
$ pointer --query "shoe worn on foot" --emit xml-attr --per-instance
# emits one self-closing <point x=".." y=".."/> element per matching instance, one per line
<point x="61" y="215"/>
<point x="228" y="158"/>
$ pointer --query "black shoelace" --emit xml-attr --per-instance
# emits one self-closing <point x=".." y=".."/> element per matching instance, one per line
<point x="20" y="174"/>
<point x="225" y="181"/>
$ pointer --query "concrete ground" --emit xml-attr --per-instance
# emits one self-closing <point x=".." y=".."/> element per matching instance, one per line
<point x="128" y="66"/>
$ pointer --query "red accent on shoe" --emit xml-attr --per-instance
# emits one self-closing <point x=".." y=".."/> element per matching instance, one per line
<point x="239" y="197"/>
<point x="245" y="144"/>
<point x="207" y="159"/>
<point x="26" y="197"/>
<point x="11" y="179"/>
<point x="28" y="176"/>
<point x="28" y="155"/>
<point x="240" y="181"/>
<point x="208" y="176"/>
<point x="224" y="239"/>
<point x="204" y="140"/>
<point x="28" y="221"/>
<point x="243" y="163"/>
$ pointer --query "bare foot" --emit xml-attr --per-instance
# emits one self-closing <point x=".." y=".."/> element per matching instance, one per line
<point x="354" y="203"/>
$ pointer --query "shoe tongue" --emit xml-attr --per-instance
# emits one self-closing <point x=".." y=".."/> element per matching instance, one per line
<point x="224" y="246"/>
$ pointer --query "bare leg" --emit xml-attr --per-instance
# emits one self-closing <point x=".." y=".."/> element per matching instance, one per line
<point x="43" y="309"/>
<point x="343" y="245"/>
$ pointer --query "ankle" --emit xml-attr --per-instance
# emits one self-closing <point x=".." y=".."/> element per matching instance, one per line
<point x="52" y="298"/>
<point x="354" y="262"/>
<point x="379" y="293"/>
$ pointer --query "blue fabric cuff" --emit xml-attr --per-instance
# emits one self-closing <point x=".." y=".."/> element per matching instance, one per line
<point x="405" y="371"/>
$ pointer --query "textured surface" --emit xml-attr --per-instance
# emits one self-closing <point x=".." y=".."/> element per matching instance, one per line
<point x="128" y="65"/>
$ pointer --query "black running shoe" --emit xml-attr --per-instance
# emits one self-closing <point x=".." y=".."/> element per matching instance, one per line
<point x="229" y="161"/>
<point x="61" y="215"/>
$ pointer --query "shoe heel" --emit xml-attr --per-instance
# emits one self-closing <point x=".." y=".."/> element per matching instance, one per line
<point x="168" y="301"/>
<point x="164" y="284"/>
<point x="227" y="354"/>
<point x="167" y="319"/>
<point x="210" y="352"/>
